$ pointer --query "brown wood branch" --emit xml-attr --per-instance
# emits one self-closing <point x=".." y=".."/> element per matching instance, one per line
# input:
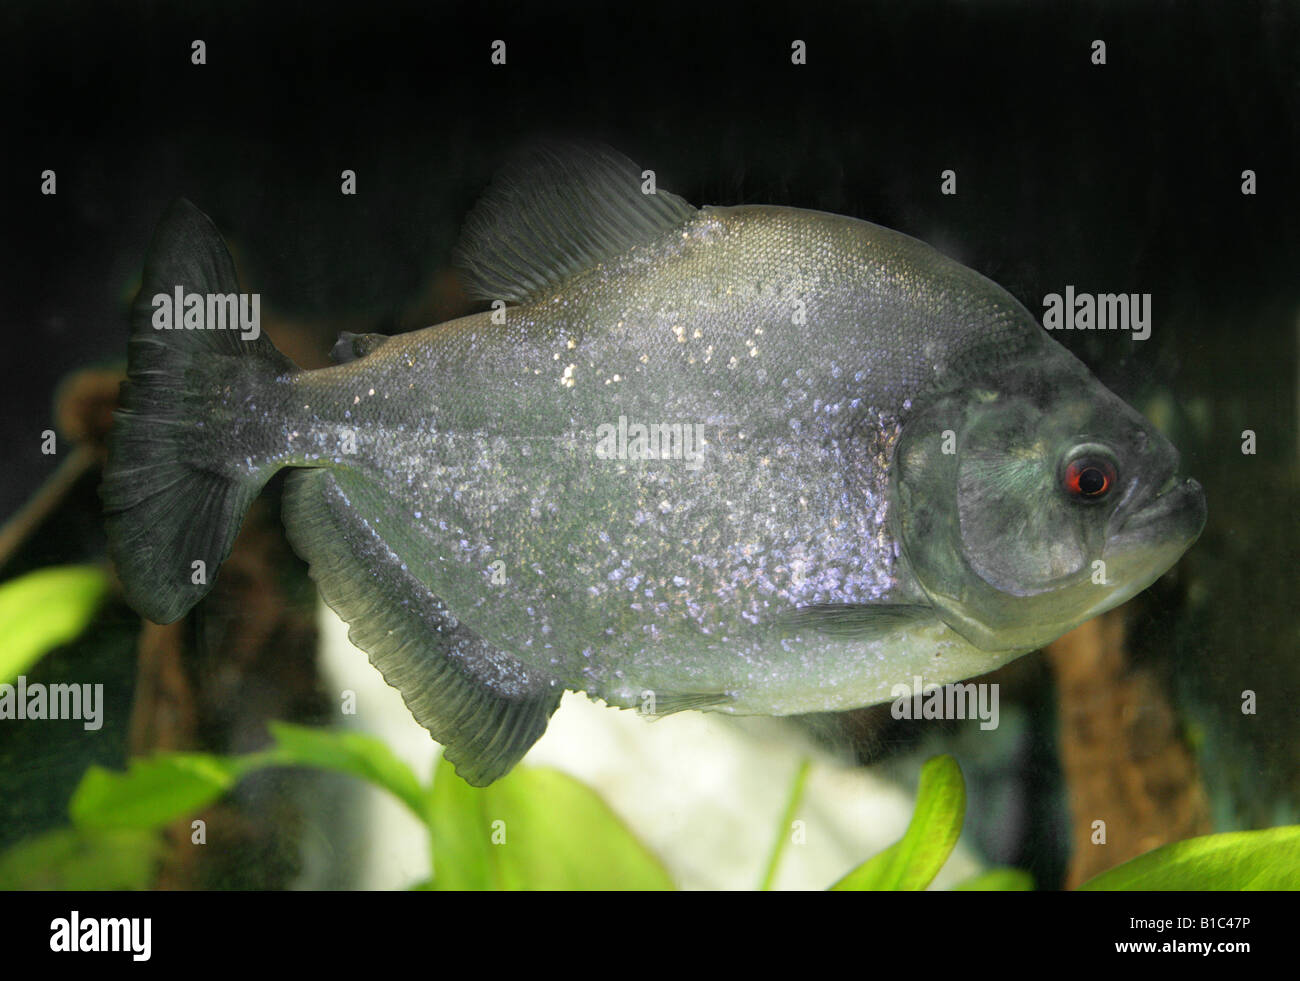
<point x="83" y="412"/>
<point x="164" y="718"/>
<point x="1122" y="752"/>
<point x="163" y="715"/>
<point x="45" y="501"/>
<point x="211" y="682"/>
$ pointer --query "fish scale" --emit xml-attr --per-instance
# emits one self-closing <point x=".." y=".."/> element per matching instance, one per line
<point x="875" y="493"/>
<point x="534" y="505"/>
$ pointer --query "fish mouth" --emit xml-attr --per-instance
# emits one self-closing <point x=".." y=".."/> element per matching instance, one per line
<point x="1151" y="537"/>
<point x="1175" y="513"/>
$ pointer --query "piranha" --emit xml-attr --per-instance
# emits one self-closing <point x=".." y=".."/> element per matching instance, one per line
<point x="754" y="460"/>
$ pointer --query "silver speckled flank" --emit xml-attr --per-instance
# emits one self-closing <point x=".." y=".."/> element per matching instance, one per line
<point x="625" y="574"/>
<point x="796" y="341"/>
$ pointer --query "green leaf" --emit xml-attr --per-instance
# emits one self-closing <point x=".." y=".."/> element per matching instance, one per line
<point x="555" y="833"/>
<point x="353" y="753"/>
<point x="73" y="858"/>
<point x="461" y="832"/>
<point x="43" y="609"/>
<point x="1267" y="859"/>
<point x="536" y="828"/>
<point x="913" y="862"/>
<point x="998" y="880"/>
<point x="155" y="791"/>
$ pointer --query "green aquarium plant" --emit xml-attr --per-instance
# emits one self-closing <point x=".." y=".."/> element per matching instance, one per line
<point x="43" y="609"/>
<point x="1267" y="859"/>
<point x="536" y="829"/>
<point x="539" y="828"/>
<point x="913" y="861"/>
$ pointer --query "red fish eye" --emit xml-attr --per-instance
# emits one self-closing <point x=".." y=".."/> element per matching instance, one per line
<point x="1089" y="478"/>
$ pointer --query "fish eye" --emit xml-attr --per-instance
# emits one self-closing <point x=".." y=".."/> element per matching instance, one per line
<point x="1089" y="475"/>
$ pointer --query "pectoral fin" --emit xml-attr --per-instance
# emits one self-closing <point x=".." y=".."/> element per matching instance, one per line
<point x="865" y="621"/>
<point x="669" y="703"/>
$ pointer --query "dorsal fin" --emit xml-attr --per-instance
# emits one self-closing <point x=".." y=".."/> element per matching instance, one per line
<point x="555" y="210"/>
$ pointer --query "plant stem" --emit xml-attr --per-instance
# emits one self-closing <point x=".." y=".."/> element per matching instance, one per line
<point x="783" y="832"/>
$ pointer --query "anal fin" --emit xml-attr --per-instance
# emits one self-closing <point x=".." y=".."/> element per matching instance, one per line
<point x="481" y="703"/>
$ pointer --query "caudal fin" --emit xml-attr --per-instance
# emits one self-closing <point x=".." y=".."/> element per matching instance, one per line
<point x="178" y="480"/>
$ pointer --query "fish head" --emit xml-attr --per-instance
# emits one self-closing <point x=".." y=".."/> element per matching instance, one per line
<point x="1032" y="499"/>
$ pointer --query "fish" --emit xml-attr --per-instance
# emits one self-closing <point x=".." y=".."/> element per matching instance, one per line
<point x="754" y="460"/>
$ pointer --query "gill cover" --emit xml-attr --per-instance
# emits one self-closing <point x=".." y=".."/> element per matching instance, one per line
<point x="1003" y="555"/>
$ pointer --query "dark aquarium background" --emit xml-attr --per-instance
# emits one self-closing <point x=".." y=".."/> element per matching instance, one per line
<point x="1122" y="177"/>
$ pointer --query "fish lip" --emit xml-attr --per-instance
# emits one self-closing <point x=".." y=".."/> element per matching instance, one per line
<point x="1139" y="495"/>
<point x="1174" y="495"/>
<point x="1168" y="485"/>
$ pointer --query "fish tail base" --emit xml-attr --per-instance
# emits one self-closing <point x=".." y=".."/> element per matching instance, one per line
<point x="181" y="470"/>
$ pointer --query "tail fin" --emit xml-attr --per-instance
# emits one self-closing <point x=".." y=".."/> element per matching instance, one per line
<point x="178" y="481"/>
